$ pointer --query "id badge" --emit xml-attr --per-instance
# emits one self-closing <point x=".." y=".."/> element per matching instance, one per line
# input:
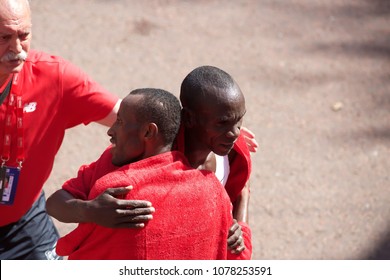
<point x="8" y="182"/>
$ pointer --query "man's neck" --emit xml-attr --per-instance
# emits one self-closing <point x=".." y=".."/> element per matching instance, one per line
<point x="199" y="156"/>
<point x="155" y="149"/>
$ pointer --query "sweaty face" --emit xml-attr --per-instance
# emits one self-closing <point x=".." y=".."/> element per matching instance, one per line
<point x="219" y="122"/>
<point x="15" y="37"/>
<point x="126" y="134"/>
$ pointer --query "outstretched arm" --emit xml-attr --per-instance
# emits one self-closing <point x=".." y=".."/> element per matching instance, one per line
<point x="105" y="210"/>
<point x="111" y="117"/>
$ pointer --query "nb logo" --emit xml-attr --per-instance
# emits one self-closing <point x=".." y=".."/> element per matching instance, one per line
<point x="30" y="107"/>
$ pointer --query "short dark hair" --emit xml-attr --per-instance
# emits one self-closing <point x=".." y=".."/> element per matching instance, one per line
<point x="160" y="107"/>
<point x="197" y="83"/>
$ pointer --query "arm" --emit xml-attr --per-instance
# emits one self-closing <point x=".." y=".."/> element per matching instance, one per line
<point x="104" y="210"/>
<point x="111" y="117"/>
<point x="240" y="214"/>
<point x="240" y="206"/>
<point x="73" y="204"/>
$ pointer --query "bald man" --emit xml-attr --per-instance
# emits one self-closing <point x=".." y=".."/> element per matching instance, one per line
<point x="213" y="112"/>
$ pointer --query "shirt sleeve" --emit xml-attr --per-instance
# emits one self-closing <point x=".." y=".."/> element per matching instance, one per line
<point x="84" y="100"/>
<point x="80" y="186"/>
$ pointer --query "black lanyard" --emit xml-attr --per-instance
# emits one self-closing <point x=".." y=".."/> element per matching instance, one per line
<point x="6" y="91"/>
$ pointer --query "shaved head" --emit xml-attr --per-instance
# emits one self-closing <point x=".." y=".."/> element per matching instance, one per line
<point x="15" y="36"/>
<point x="207" y="84"/>
<point x="213" y="110"/>
<point x="8" y="8"/>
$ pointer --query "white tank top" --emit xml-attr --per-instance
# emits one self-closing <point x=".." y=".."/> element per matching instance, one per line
<point x="222" y="168"/>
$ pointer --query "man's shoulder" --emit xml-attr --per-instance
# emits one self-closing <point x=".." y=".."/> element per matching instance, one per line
<point x="35" y="56"/>
<point x="161" y="161"/>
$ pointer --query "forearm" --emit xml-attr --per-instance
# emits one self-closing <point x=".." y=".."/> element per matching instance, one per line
<point x="65" y="208"/>
<point x="111" y="117"/>
<point x="241" y="205"/>
<point x="105" y="210"/>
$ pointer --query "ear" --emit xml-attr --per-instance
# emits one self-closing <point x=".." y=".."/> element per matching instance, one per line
<point x="151" y="131"/>
<point x="188" y="117"/>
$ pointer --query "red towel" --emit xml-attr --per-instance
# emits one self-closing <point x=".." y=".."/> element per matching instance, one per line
<point x="240" y="170"/>
<point x="192" y="218"/>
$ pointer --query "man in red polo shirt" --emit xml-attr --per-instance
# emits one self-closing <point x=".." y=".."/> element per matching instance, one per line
<point x="40" y="97"/>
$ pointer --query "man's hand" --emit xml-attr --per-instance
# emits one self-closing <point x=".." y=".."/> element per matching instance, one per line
<point x="235" y="239"/>
<point x="108" y="211"/>
<point x="250" y="140"/>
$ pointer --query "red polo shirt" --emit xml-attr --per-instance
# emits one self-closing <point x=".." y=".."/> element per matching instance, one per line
<point x="56" y="95"/>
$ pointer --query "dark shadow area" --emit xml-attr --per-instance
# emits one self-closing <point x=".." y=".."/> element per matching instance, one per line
<point x="379" y="7"/>
<point x="377" y="42"/>
<point x="381" y="49"/>
<point x="372" y="8"/>
<point x="373" y="49"/>
<point x="377" y="134"/>
<point x="381" y="250"/>
<point x="382" y="253"/>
